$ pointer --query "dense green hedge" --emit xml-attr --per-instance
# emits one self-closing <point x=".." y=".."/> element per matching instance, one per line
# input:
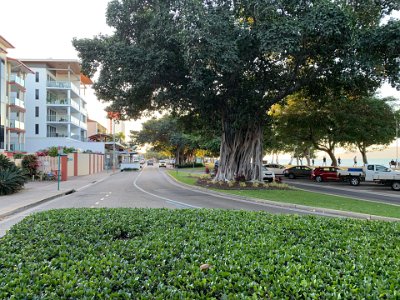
<point x="156" y="254"/>
<point x="189" y="165"/>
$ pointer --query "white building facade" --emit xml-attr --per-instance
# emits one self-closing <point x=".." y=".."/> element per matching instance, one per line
<point x="56" y="112"/>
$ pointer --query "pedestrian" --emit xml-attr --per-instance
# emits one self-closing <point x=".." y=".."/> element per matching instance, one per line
<point x="312" y="161"/>
<point x="324" y="161"/>
<point x="355" y="160"/>
<point x="339" y="161"/>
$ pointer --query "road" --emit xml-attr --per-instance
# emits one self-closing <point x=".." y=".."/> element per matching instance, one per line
<point x="365" y="191"/>
<point x="150" y="188"/>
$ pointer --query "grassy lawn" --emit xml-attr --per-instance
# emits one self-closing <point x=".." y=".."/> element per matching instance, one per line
<point x="307" y="198"/>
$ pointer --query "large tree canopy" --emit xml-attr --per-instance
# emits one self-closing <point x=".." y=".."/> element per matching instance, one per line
<point x="230" y="60"/>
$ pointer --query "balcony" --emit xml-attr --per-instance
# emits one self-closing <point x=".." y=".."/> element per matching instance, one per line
<point x="63" y="85"/>
<point x="59" y="118"/>
<point x="17" y="102"/>
<point x="75" y="121"/>
<point x="14" y="78"/>
<point x="57" y="101"/>
<point x="16" y="126"/>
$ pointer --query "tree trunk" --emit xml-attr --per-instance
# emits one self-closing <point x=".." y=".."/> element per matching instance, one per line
<point x="241" y="153"/>
<point x="332" y="157"/>
<point x="363" y="151"/>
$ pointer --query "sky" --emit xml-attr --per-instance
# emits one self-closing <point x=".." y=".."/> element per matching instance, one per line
<point x="45" y="29"/>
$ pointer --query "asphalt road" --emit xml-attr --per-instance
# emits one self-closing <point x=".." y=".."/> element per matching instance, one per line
<point x="150" y="188"/>
<point x="365" y="191"/>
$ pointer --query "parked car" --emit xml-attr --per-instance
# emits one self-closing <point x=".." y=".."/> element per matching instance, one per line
<point x="150" y="162"/>
<point x="276" y="168"/>
<point x="297" y="171"/>
<point x="325" y="174"/>
<point x="162" y="163"/>
<point x="268" y="175"/>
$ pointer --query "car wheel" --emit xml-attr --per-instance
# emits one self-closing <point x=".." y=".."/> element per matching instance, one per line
<point x="396" y="186"/>
<point x="354" y="181"/>
<point x="270" y="180"/>
<point x="318" y="179"/>
<point x="291" y="176"/>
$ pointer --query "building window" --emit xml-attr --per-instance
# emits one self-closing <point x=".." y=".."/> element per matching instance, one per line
<point x="36" y="111"/>
<point x="36" y="128"/>
<point x="37" y="76"/>
<point x="36" y="94"/>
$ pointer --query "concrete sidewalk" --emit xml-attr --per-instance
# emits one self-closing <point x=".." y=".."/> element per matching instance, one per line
<point x="37" y="192"/>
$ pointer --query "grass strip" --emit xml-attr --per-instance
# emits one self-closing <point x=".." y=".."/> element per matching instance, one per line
<point x="307" y="198"/>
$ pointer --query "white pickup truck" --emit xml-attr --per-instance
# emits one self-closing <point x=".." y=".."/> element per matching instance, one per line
<point x="371" y="173"/>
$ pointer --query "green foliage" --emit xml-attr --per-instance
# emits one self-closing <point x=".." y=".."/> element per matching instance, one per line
<point x="229" y="61"/>
<point x="18" y="156"/>
<point x="157" y="254"/>
<point x="5" y="162"/>
<point x="12" y="178"/>
<point x="189" y="165"/>
<point x="30" y="164"/>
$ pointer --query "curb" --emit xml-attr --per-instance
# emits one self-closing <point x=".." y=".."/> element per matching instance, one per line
<point x="304" y="208"/>
<point x="31" y="205"/>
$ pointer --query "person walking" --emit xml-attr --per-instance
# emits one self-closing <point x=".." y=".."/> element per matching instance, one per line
<point x="339" y="161"/>
<point x="324" y="161"/>
<point x="355" y="161"/>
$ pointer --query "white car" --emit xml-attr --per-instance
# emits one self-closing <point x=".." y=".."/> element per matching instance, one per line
<point x="277" y="169"/>
<point x="162" y="163"/>
<point x="268" y="175"/>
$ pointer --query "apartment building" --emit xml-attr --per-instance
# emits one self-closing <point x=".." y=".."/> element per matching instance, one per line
<point x="12" y="100"/>
<point x="56" y="106"/>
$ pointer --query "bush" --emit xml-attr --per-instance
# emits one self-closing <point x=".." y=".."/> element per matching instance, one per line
<point x="157" y="254"/>
<point x="5" y="162"/>
<point x="30" y="164"/>
<point x="189" y="165"/>
<point x="18" y="156"/>
<point x="12" y="179"/>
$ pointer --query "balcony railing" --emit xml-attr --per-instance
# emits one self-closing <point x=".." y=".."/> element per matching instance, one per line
<point x="63" y="85"/>
<point x="75" y="121"/>
<point x="18" y="102"/>
<point x="56" y="134"/>
<point x="15" y="78"/>
<point x="17" y="124"/>
<point x="58" y="118"/>
<point x="75" y="105"/>
<point x="56" y="101"/>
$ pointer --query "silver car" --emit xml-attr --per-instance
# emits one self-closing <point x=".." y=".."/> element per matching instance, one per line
<point x="268" y="175"/>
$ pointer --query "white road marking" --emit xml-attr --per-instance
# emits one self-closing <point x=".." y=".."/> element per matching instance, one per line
<point x="97" y="203"/>
<point x="101" y="199"/>
<point x="170" y="201"/>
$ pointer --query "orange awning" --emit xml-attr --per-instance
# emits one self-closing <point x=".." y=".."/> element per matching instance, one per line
<point x="86" y="80"/>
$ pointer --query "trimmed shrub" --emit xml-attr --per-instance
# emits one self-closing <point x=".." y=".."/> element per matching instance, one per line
<point x="162" y="254"/>
<point x="189" y="165"/>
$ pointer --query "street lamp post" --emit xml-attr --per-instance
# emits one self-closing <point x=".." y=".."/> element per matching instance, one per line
<point x="397" y="141"/>
<point x="113" y="156"/>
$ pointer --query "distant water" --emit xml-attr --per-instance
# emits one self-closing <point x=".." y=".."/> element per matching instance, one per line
<point x="344" y="162"/>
